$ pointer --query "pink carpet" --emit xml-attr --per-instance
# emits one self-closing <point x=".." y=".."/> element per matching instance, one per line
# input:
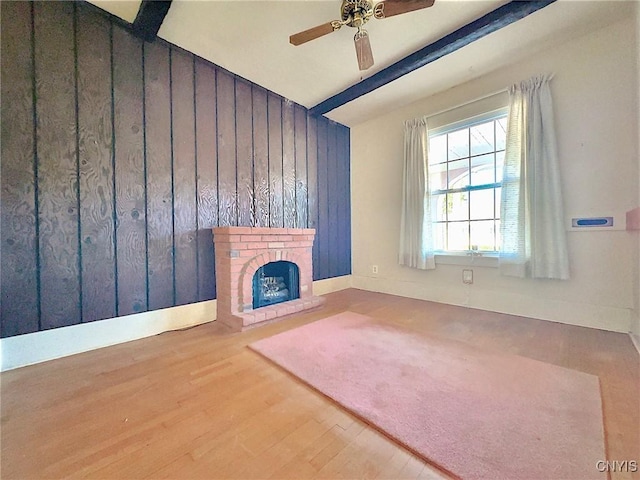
<point x="469" y="412"/>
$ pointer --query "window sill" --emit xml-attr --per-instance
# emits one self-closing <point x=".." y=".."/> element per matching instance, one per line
<point x="486" y="260"/>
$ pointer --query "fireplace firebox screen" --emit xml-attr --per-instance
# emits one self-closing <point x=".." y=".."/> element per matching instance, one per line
<point x="275" y="282"/>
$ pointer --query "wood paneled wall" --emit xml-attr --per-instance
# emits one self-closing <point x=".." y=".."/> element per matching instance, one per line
<point x="118" y="156"/>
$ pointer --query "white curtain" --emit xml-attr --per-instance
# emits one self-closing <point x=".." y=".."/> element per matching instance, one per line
<point x="416" y="238"/>
<point x="532" y="221"/>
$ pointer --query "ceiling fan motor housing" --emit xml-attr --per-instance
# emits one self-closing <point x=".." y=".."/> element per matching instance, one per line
<point x="356" y="13"/>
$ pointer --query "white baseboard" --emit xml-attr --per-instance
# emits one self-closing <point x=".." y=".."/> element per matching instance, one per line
<point x="635" y="327"/>
<point x="31" y="348"/>
<point x="613" y="319"/>
<point x="322" y="287"/>
<point x="635" y="339"/>
<point x="37" y="347"/>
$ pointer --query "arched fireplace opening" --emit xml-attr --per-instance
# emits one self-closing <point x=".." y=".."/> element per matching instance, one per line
<point x="276" y="282"/>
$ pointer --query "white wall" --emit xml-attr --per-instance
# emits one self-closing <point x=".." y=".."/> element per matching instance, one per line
<point x="595" y="90"/>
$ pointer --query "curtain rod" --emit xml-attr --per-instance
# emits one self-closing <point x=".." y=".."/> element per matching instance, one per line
<point x="548" y="76"/>
<point x="489" y="95"/>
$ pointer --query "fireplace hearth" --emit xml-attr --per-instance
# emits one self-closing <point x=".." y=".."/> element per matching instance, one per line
<point x="263" y="274"/>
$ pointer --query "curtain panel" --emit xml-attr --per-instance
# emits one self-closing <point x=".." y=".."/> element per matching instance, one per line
<point x="416" y="237"/>
<point x="532" y="216"/>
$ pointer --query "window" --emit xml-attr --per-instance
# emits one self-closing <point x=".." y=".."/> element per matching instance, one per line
<point x="465" y="175"/>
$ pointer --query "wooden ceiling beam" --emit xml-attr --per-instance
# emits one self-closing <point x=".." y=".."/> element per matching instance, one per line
<point x="150" y="17"/>
<point x="494" y="20"/>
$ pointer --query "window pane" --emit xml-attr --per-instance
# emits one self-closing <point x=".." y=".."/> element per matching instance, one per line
<point x="459" y="173"/>
<point x="483" y="235"/>
<point x="482" y="170"/>
<point x="440" y="236"/>
<point x="459" y="144"/>
<point x="482" y="138"/>
<point x="438" y="177"/>
<point x="458" y="236"/>
<point x="437" y="149"/>
<point x="499" y="164"/>
<point x="498" y="237"/>
<point x="498" y="197"/>
<point x="458" y="206"/>
<point x="481" y="204"/>
<point x="501" y="133"/>
<point x="439" y="206"/>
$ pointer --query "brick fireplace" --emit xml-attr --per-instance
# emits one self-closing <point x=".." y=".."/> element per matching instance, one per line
<point x="243" y="254"/>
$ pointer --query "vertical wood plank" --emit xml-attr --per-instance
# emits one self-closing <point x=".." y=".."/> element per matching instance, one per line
<point x="300" y="120"/>
<point x="157" y="98"/>
<point x="312" y="175"/>
<point x="344" y="203"/>
<point x="322" y="233"/>
<point x="227" y="195"/>
<point x="260" y="157"/>
<point x="19" y="281"/>
<point x="332" y="194"/>
<point x="288" y="164"/>
<point x="96" y="169"/>
<point x="276" y="204"/>
<point x="129" y="173"/>
<point x="184" y="177"/>
<point x="57" y="164"/>
<point x="244" y="154"/>
<point x="207" y="165"/>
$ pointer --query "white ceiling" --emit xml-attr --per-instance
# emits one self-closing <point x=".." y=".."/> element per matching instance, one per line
<point x="251" y="39"/>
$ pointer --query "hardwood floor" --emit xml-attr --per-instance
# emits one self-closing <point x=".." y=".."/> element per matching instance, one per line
<point x="198" y="404"/>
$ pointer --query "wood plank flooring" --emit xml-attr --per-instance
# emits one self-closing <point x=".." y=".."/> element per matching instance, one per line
<point x="198" y="404"/>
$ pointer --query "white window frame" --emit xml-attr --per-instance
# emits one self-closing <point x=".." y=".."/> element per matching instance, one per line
<point x="466" y="257"/>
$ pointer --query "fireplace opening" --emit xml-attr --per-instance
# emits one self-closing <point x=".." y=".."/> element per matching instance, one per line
<point x="275" y="282"/>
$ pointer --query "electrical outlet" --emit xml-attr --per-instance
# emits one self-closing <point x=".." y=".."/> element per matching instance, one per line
<point x="467" y="276"/>
<point x="374" y="268"/>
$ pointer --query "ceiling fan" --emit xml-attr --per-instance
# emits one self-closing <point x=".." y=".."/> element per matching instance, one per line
<point x="355" y="13"/>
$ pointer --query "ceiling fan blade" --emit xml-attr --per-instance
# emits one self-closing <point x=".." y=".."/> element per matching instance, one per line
<point x="390" y="8"/>
<point x="363" y="50"/>
<point x="315" y="32"/>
